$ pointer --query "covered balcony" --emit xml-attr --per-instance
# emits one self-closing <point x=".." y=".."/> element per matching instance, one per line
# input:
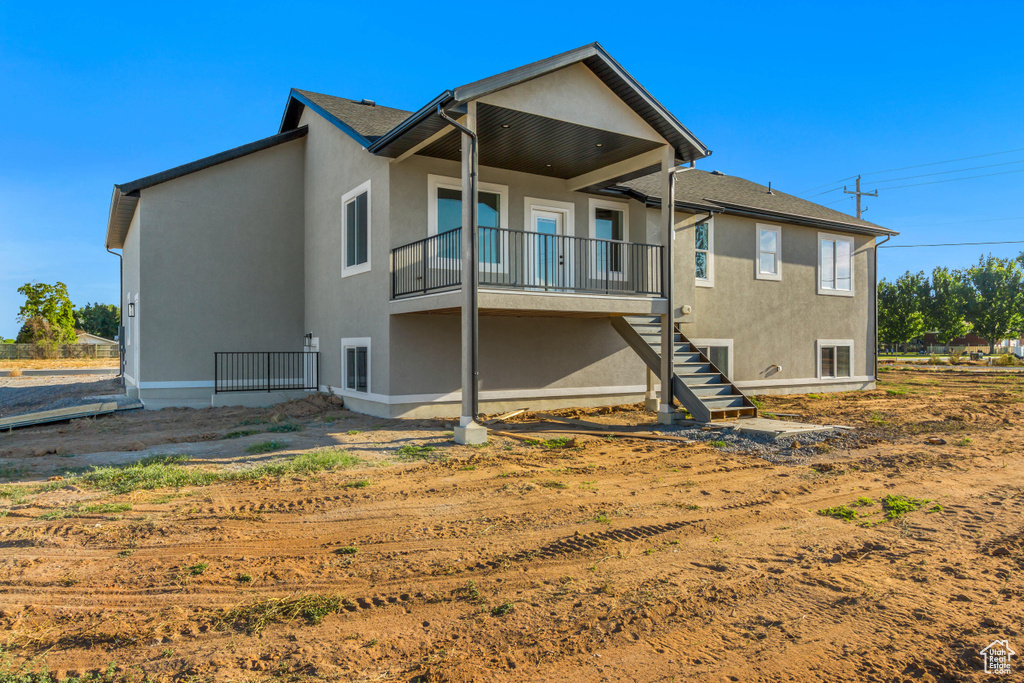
<point x="529" y="262"/>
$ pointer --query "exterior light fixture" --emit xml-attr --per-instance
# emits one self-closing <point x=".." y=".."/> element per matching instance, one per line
<point x="131" y="309"/>
<point x="504" y="125"/>
<point x="600" y="144"/>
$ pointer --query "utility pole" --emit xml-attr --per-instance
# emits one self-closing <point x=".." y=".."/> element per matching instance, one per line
<point x="859" y="194"/>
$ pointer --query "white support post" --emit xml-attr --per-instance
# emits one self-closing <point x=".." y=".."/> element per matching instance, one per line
<point x="651" y="398"/>
<point x="667" y="411"/>
<point x="468" y="431"/>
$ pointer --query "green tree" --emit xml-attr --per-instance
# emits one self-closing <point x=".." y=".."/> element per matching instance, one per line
<point x="946" y="307"/>
<point x="995" y="307"/>
<point x="901" y="308"/>
<point x="50" y="309"/>
<point x="99" y="319"/>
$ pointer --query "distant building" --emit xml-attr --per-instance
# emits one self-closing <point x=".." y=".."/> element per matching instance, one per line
<point x="87" y="338"/>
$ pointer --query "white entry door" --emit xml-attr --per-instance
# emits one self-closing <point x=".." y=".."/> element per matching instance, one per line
<point x="545" y="262"/>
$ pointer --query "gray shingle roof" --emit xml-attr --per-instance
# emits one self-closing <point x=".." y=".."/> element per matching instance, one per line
<point x="370" y="121"/>
<point x="702" y="189"/>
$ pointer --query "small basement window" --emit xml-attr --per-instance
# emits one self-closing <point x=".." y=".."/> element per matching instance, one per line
<point x="718" y="351"/>
<point x="834" y="359"/>
<point x="356" y="364"/>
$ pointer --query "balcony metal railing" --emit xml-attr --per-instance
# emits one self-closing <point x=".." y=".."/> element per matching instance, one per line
<point x="530" y="261"/>
<point x="266" y="370"/>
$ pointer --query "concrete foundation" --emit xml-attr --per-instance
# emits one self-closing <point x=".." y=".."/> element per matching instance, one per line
<point x="472" y="434"/>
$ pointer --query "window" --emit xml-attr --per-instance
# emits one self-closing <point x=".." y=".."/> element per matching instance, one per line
<point x="834" y="358"/>
<point x="768" y="265"/>
<point x="355" y="241"/>
<point x="445" y="196"/>
<point x="608" y="221"/>
<point x="703" y="253"/>
<point x="718" y="351"/>
<point x="355" y="361"/>
<point x="835" y="265"/>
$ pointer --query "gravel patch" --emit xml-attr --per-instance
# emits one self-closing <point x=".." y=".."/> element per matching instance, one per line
<point x="19" y="395"/>
<point x="790" y="450"/>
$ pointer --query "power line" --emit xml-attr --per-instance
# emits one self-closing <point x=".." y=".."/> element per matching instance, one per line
<point x="949" y="180"/>
<point x="827" y="184"/>
<point x="906" y="168"/>
<point x="949" y="244"/>
<point x="980" y="220"/>
<point x="834" y="189"/>
<point x="927" y="175"/>
<point x="959" y="170"/>
<point x="949" y="161"/>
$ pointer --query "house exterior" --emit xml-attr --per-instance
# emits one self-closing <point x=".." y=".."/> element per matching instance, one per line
<point x="89" y="338"/>
<point x="345" y="235"/>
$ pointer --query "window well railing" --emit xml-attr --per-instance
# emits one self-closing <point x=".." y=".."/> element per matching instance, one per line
<point x="266" y="370"/>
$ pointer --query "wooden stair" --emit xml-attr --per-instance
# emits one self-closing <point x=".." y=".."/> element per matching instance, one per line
<point x="697" y="384"/>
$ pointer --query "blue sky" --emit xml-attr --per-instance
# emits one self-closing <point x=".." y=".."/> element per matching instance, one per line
<point x="801" y="95"/>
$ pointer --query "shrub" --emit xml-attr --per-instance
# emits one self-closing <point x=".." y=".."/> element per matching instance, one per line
<point x="897" y="506"/>
<point x="285" y="427"/>
<point x="264" y="447"/>
<point x="847" y="514"/>
<point x="413" y="452"/>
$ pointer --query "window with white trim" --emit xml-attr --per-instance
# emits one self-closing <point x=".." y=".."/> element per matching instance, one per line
<point x="835" y="264"/>
<point x="608" y="221"/>
<point x="834" y="359"/>
<point x="768" y="264"/>
<point x="445" y="218"/>
<point x="704" y="253"/>
<point x="355" y="363"/>
<point x="355" y="230"/>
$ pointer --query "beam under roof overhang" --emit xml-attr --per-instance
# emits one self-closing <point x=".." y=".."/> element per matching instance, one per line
<point x="642" y="164"/>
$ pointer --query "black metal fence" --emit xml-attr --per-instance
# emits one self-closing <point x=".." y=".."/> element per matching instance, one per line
<point x="266" y="370"/>
<point x="531" y="261"/>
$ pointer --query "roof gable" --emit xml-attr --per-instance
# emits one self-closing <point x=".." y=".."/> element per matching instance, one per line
<point x="364" y="120"/>
<point x="574" y="94"/>
<point x="618" y="80"/>
<point x="424" y="123"/>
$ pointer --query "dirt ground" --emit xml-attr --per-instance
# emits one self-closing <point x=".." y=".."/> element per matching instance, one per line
<point x="586" y="559"/>
<point x="44" y="364"/>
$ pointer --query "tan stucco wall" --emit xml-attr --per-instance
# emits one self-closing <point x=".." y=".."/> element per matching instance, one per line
<point x="130" y="289"/>
<point x="515" y="353"/>
<point x="221" y="264"/>
<point x="353" y="306"/>
<point x="774" y="322"/>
